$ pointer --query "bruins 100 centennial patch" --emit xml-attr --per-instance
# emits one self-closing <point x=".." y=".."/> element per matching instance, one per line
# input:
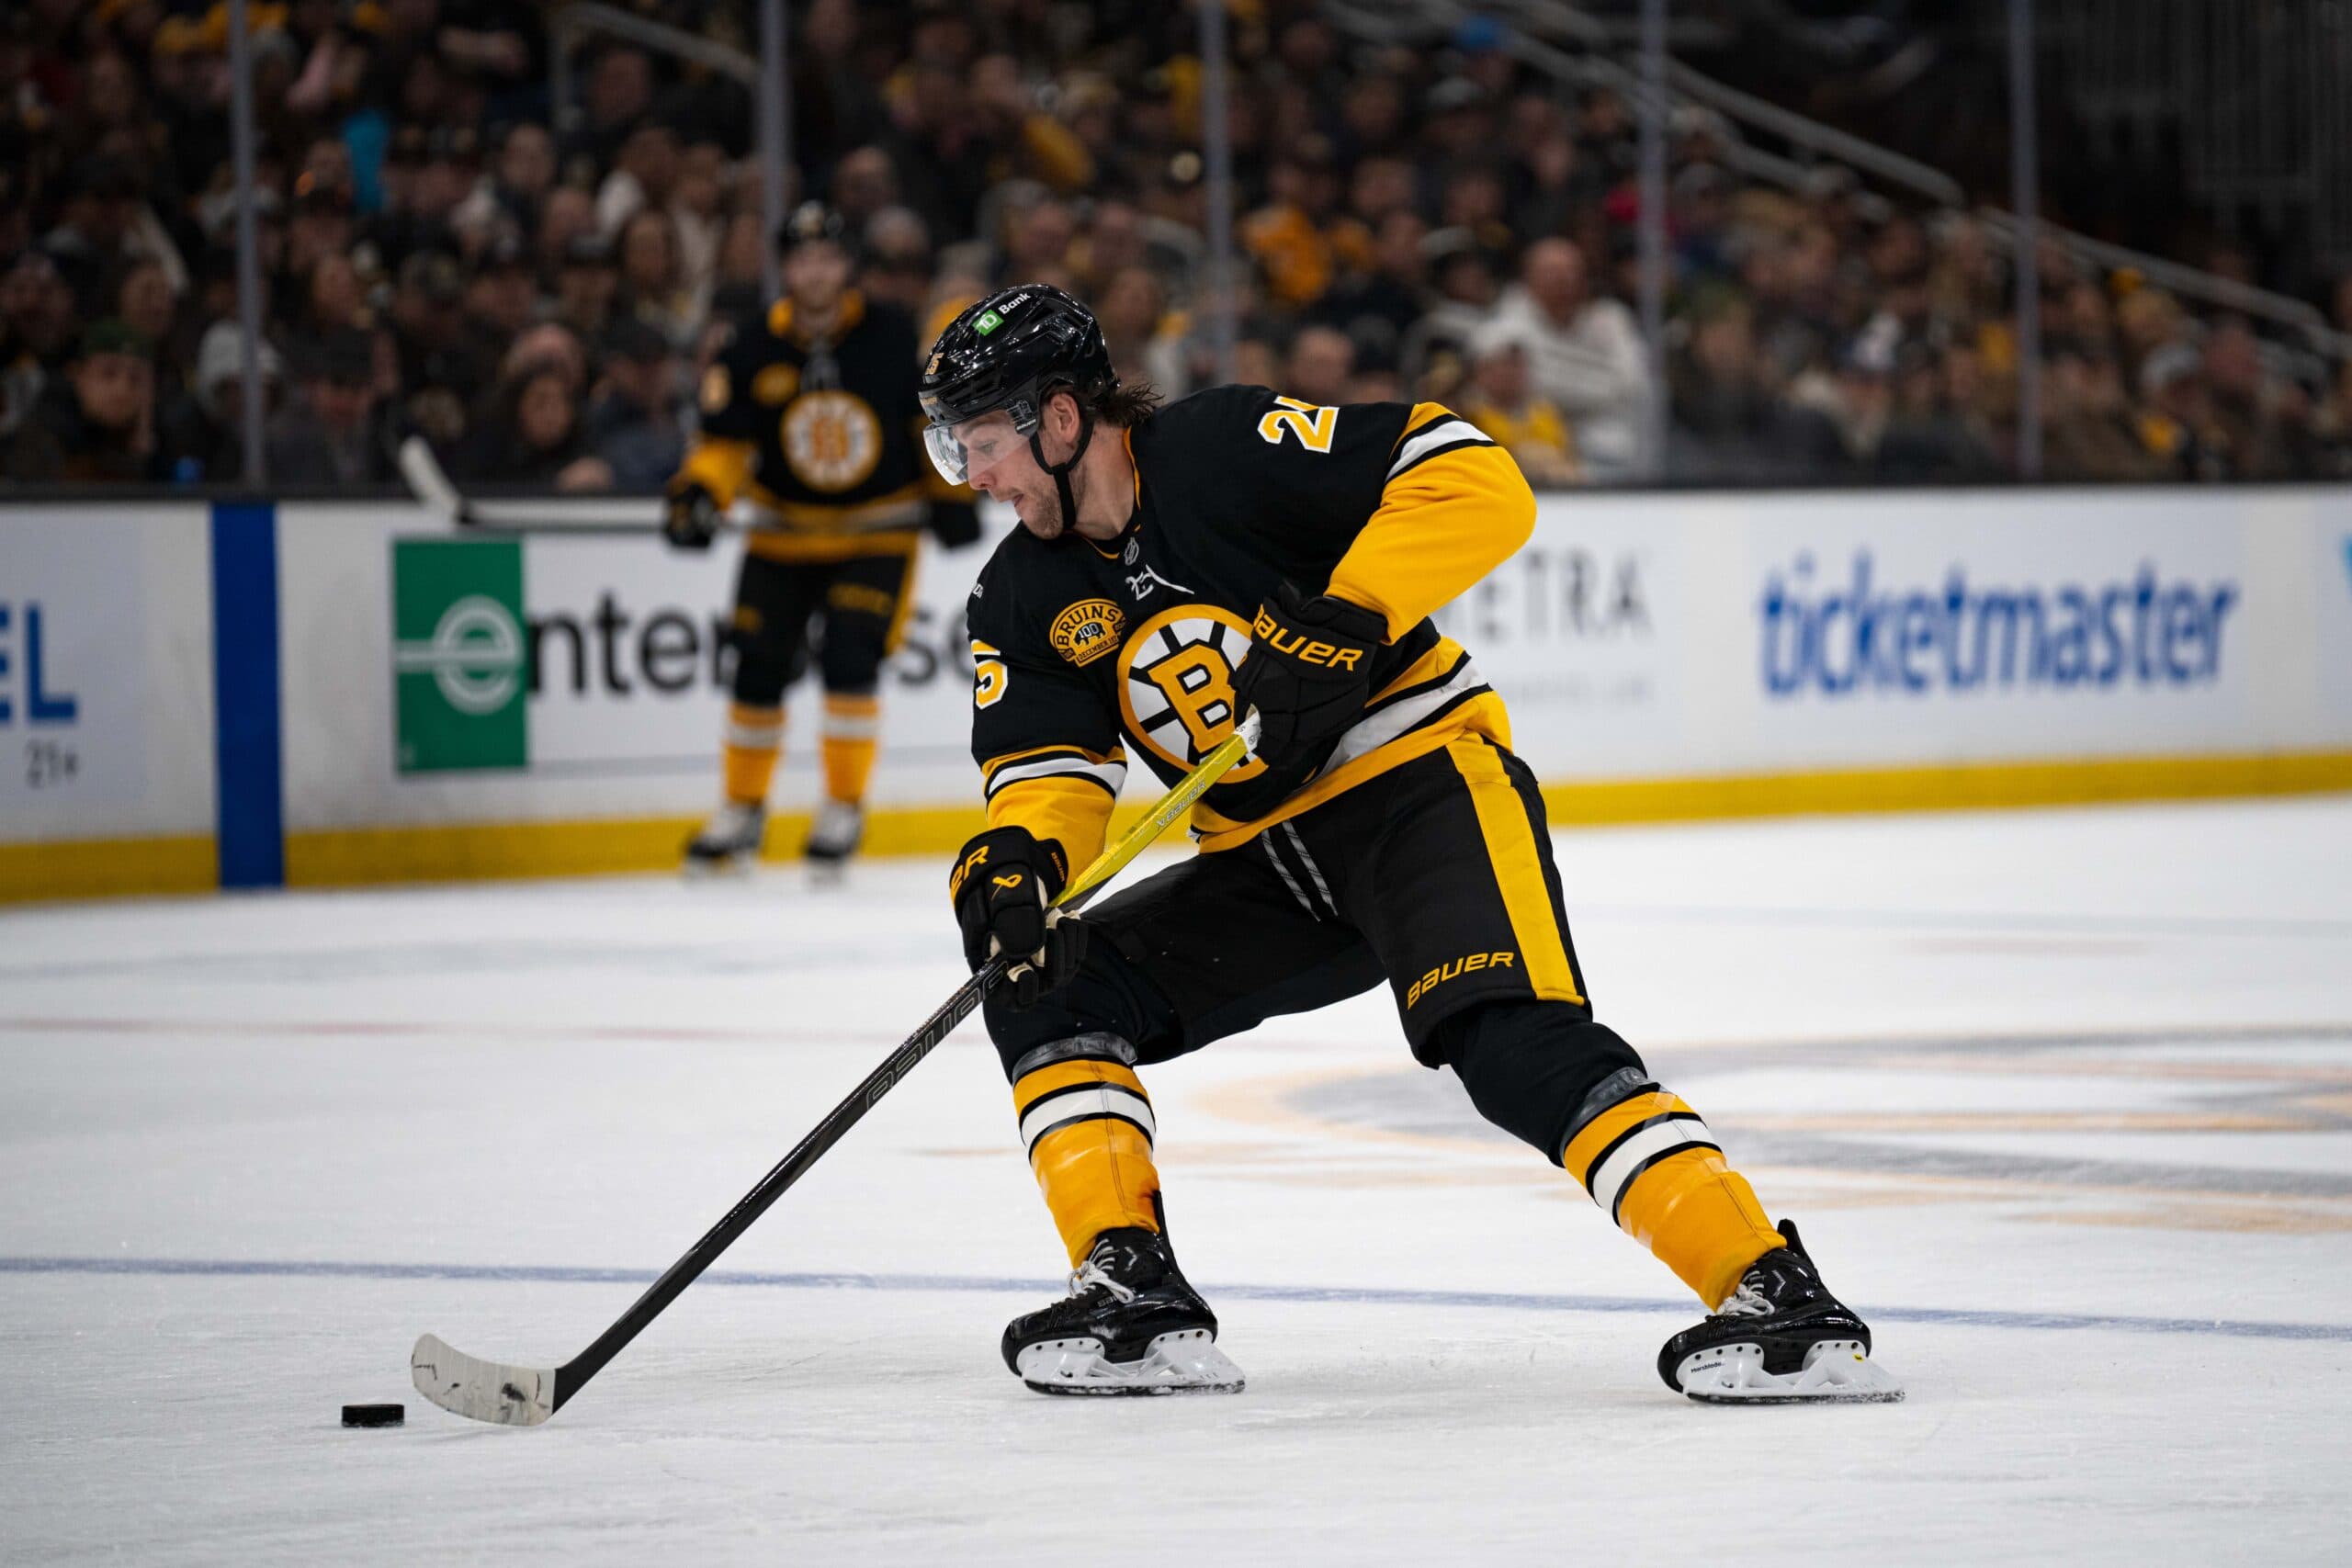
<point x="1087" y="630"/>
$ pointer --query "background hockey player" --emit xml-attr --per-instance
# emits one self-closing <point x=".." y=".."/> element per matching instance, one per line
<point x="1178" y="566"/>
<point x="810" y="414"/>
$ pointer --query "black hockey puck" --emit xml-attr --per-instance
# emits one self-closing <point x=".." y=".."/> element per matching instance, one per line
<point x="374" y="1415"/>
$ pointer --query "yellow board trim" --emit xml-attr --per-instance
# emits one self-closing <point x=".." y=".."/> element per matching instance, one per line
<point x="1967" y="787"/>
<point x="108" y="868"/>
<point x="90" y="868"/>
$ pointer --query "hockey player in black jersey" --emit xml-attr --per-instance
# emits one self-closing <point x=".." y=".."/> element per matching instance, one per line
<point x="810" y="414"/>
<point x="1176" y="567"/>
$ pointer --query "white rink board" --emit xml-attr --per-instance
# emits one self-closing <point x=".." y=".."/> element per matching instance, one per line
<point x="1635" y="637"/>
<point x="1677" y="635"/>
<point x="106" y="672"/>
<point x="619" y="725"/>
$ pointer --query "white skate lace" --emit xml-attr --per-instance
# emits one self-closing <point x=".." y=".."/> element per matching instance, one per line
<point x="1091" y="1273"/>
<point x="1746" y="1302"/>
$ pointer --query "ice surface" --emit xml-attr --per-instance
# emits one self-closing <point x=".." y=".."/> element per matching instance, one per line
<point x="2063" y="1100"/>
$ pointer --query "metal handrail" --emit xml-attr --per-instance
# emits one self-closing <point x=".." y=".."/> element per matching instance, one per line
<point x="2223" y="293"/>
<point x="1404" y="20"/>
<point x="1539" y="29"/>
<point x="569" y="26"/>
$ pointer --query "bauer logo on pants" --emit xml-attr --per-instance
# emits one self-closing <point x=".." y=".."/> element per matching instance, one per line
<point x="459" y="654"/>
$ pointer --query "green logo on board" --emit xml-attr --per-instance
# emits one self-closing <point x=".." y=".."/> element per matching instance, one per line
<point x="459" y="654"/>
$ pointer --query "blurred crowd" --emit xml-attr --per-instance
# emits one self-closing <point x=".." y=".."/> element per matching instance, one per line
<point x="440" y="256"/>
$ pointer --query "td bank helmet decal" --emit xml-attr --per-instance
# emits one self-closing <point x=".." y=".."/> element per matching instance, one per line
<point x="1176" y="684"/>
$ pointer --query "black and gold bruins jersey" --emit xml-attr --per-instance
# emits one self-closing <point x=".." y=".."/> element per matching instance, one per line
<point x="824" y="436"/>
<point x="1083" y="649"/>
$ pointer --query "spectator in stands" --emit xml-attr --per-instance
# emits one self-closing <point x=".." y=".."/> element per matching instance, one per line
<point x="1379" y="306"/>
<point x="1389" y="191"/>
<point x="897" y="264"/>
<point x="1316" y="369"/>
<point x="332" y="435"/>
<point x="1729" y="425"/>
<point x="652" y="286"/>
<point x="36" y="333"/>
<point x="569" y="214"/>
<point x="533" y="436"/>
<point x="101" y="212"/>
<point x="2242" y="420"/>
<point x="502" y="296"/>
<point x="1297" y="247"/>
<point x="585" y="285"/>
<point x="1501" y="400"/>
<point x="864" y="185"/>
<point x="650" y="161"/>
<point x="1586" y="356"/>
<point x="2178" y="424"/>
<point x="633" y="424"/>
<point x="99" y="426"/>
<point x="203" y="433"/>
<point x="1927" y="440"/>
<point x="1133" y="311"/>
<point x="2091" y="433"/>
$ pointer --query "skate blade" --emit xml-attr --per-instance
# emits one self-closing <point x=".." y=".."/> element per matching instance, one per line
<point x="1836" y="1372"/>
<point x="1186" y="1361"/>
<point x="713" y="868"/>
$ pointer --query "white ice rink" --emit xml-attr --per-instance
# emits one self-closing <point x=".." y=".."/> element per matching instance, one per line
<point x="2063" y="1100"/>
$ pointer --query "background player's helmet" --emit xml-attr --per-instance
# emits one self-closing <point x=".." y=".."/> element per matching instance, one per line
<point x="812" y="222"/>
<point x="1012" y="351"/>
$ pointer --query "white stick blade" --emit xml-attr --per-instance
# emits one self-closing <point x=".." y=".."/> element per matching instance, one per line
<point x="479" y="1389"/>
<point x="422" y="472"/>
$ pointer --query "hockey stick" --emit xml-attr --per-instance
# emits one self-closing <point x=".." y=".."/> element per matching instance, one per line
<point x="430" y="483"/>
<point x="524" y="1396"/>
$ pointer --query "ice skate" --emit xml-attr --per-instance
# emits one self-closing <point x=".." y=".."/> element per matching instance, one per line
<point x="1130" y="1324"/>
<point x="834" y="837"/>
<point x="1781" y="1339"/>
<point x="729" y="841"/>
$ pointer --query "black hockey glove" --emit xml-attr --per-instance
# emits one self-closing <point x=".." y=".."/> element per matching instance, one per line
<point x="1004" y="887"/>
<point x="690" y="517"/>
<point x="1309" y="673"/>
<point x="954" y="523"/>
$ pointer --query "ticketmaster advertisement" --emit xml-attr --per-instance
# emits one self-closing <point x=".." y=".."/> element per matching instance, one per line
<point x="434" y="678"/>
<point x="1958" y="630"/>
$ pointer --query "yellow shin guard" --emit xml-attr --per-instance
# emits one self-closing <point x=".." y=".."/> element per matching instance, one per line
<point x="1088" y="1127"/>
<point x="1656" y="1170"/>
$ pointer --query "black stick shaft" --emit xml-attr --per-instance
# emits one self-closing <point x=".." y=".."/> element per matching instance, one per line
<point x="574" y="1373"/>
<point x="571" y="1377"/>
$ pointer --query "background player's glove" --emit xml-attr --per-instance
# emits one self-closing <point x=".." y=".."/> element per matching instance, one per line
<point x="1309" y="673"/>
<point x="690" y="517"/>
<point x="954" y="523"/>
<point x="1004" y="887"/>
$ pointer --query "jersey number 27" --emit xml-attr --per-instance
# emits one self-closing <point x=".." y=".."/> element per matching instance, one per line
<point x="1312" y="425"/>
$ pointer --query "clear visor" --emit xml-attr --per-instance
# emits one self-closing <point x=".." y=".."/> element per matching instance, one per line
<point x="946" y="453"/>
<point x="956" y="450"/>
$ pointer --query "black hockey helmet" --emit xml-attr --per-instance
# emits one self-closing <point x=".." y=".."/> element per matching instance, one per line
<point x="812" y="222"/>
<point x="1012" y="352"/>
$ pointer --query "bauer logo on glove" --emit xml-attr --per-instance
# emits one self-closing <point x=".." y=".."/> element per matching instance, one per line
<point x="1009" y="912"/>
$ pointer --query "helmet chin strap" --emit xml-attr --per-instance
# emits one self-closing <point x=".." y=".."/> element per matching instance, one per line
<point x="1061" y="471"/>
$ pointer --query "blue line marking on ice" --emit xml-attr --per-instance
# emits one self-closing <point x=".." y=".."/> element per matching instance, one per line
<point x="1959" y="1317"/>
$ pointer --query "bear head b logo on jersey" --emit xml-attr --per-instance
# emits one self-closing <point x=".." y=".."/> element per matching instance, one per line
<point x="831" y="439"/>
<point x="1176" y="684"/>
<point x="1087" y="630"/>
